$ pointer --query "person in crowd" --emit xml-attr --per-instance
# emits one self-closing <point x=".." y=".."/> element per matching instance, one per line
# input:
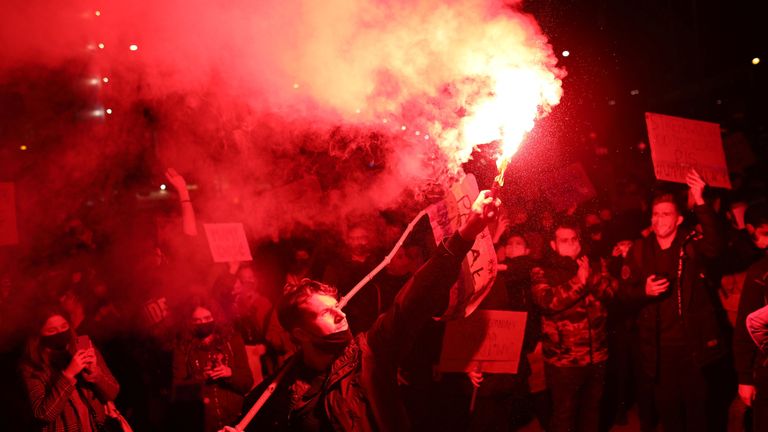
<point x="210" y="370"/>
<point x="572" y="293"/>
<point x="504" y="401"/>
<point x="358" y="258"/>
<point x="681" y="340"/>
<point x="341" y="382"/>
<point x="68" y="382"/>
<point x="751" y="364"/>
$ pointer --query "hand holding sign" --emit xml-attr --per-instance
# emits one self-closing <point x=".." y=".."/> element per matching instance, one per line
<point x="696" y="185"/>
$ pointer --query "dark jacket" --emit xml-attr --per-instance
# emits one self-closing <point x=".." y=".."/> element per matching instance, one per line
<point x="51" y="396"/>
<point x="748" y="359"/>
<point x="573" y="314"/>
<point x="222" y="399"/>
<point x="361" y="392"/>
<point x="702" y="331"/>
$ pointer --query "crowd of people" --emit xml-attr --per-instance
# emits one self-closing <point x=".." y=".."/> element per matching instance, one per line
<point x="643" y="312"/>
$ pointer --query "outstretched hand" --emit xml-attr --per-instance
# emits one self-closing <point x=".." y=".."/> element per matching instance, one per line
<point x="175" y="179"/>
<point x="484" y="210"/>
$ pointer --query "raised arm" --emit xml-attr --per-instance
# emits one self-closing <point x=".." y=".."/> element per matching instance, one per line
<point x="429" y="288"/>
<point x="188" y="218"/>
<point x="711" y="242"/>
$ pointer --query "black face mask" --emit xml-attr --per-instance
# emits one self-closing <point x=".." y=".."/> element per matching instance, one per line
<point x="57" y="341"/>
<point x="204" y="330"/>
<point x="333" y="343"/>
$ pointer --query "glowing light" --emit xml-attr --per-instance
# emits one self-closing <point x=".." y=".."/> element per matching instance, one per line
<point x="105" y="79"/>
<point x="108" y="110"/>
<point x="295" y="86"/>
<point x="417" y="133"/>
<point x="611" y="102"/>
<point x="385" y="121"/>
<point x="162" y="187"/>
<point x="93" y="81"/>
<point x="756" y="61"/>
<point x="518" y="97"/>
<point x="357" y="111"/>
<point x="634" y="92"/>
<point x="426" y="137"/>
<point x="403" y="127"/>
<point x="100" y="45"/>
<point x="97" y="112"/>
<point x="133" y="47"/>
<point x="566" y="53"/>
<point x="22" y="147"/>
<point x="97" y="13"/>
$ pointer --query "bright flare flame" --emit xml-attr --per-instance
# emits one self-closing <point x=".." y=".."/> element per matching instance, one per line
<point x="519" y="96"/>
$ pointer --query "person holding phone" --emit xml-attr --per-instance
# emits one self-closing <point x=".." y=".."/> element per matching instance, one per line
<point x="210" y="369"/>
<point x="67" y="380"/>
<point x="681" y="341"/>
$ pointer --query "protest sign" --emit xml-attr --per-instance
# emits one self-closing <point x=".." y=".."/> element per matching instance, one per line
<point x="679" y="144"/>
<point x="568" y="187"/>
<point x="227" y="242"/>
<point x="480" y="266"/>
<point x="488" y="341"/>
<point x="8" y="231"/>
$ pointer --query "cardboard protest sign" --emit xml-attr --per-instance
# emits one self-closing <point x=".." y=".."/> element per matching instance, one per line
<point x="480" y="266"/>
<point x="488" y="341"/>
<point x="8" y="232"/>
<point x="568" y="187"/>
<point x="679" y="144"/>
<point x="227" y="242"/>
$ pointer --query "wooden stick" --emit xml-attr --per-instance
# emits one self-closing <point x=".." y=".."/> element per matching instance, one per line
<point x="384" y="263"/>
<point x="265" y="396"/>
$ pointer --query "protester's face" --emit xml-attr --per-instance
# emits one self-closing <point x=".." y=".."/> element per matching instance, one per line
<point x="301" y="260"/>
<point x="759" y="235"/>
<point x="358" y="241"/>
<point x="246" y="275"/>
<point x="665" y="219"/>
<point x="566" y="243"/>
<point x="516" y="247"/>
<point x="54" y="324"/>
<point x="201" y="315"/>
<point x="70" y="302"/>
<point x="325" y="315"/>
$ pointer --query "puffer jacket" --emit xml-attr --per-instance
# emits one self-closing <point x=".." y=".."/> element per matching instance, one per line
<point x="573" y="314"/>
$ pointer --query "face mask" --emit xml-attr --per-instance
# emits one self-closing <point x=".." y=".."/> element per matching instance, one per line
<point x="57" y="341"/>
<point x="204" y="330"/>
<point x="333" y="343"/>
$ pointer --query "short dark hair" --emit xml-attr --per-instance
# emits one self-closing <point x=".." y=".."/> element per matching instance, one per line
<point x="665" y="196"/>
<point x="509" y="234"/>
<point x="757" y="214"/>
<point x="290" y="313"/>
<point x="565" y="223"/>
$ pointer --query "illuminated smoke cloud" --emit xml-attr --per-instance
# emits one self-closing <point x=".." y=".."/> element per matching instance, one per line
<point x="295" y="111"/>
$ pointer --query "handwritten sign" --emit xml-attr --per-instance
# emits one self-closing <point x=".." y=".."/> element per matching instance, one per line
<point x="568" y="187"/>
<point x="8" y="232"/>
<point x="679" y="144"/>
<point x="489" y="341"/>
<point x="227" y="242"/>
<point x="480" y="266"/>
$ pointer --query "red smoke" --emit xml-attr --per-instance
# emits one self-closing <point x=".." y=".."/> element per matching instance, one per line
<point x="289" y="111"/>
